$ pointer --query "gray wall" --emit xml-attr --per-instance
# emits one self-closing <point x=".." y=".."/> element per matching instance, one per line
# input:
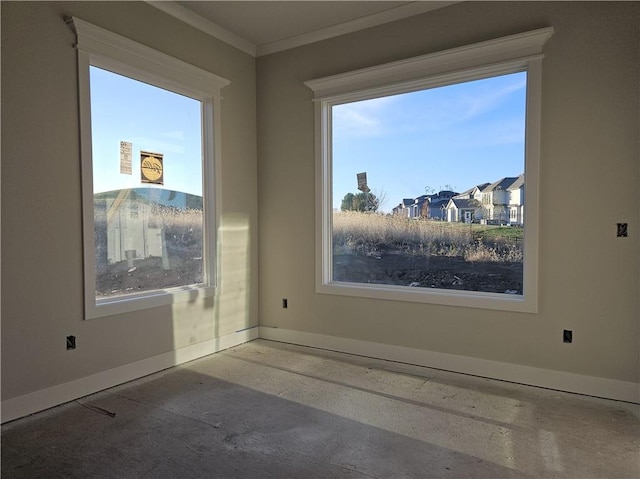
<point x="42" y="300"/>
<point x="589" y="279"/>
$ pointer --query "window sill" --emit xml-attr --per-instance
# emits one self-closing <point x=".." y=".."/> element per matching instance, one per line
<point x="151" y="299"/>
<point x="465" y="299"/>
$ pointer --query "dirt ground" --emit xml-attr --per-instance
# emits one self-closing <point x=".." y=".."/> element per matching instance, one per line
<point x="398" y="268"/>
<point x="148" y="274"/>
<point x="393" y="267"/>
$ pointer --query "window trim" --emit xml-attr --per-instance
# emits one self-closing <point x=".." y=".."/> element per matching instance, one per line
<point x="104" y="49"/>
<point x="520" y="52"/>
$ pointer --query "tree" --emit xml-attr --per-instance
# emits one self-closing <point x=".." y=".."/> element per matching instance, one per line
<point x="364" y="202"/>
<point x="480" y="211"/>
<point x="347" y="202"/>
<point x="381" y="197"/>
<point x="425" y="210"/>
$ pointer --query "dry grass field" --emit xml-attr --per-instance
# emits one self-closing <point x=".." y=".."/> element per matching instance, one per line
<point x="386" y="249"/>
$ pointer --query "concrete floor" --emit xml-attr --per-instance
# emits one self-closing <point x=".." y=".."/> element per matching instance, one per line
<point x="270" y="410"/>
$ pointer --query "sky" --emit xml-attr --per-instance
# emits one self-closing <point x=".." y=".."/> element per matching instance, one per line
<point x="153" y="120"/>
<point x="459" y="135"/>
<point x="455" y="136"/>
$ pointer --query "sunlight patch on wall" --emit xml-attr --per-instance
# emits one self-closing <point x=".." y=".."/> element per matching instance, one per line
<point x="232" y="310"/>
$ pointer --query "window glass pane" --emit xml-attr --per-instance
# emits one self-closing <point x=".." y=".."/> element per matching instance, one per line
<point x="428" y="187"/>
<point x="147" y="183"/>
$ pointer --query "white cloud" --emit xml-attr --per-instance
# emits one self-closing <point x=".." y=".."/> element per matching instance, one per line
<point x="452" y="107"/>
<point x="362" y="118"/>
<point x="435" y="110"/>
<point x="489" y="98"/>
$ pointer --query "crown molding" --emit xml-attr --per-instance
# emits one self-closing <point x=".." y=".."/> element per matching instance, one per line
<point x="208" y="27"/>
<point x="368" y="21"/>
<point x="403" y="11"/>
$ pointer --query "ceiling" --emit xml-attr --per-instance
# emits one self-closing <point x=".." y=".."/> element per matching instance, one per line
<point x="263" y="27"/>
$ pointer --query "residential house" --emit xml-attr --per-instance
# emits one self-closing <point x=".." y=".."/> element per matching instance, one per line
<point x="516" y="201"/>
<point x="425" y="206"/>
<point x="461" y="210"/>
<point x="474" y="193"/>
<point x="435" y="206"/>
<point x="501" y="202"/>
<point x="405" y="208"/>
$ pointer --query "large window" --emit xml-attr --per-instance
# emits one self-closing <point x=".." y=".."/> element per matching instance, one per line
<point x="428" y="177"/>
<point x="148" y="129"/>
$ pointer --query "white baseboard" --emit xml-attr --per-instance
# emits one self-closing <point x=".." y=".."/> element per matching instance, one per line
<point x="30" y="403"/>
<point x="46" y="398"/>
<point x="546" y="378"/>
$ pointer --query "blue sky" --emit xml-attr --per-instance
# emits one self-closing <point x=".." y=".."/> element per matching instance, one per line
<point x="459" y="135"/>
<point x="151" y="119"/>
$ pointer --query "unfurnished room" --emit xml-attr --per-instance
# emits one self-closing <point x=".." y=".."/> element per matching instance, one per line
<point x="313" y="239"/>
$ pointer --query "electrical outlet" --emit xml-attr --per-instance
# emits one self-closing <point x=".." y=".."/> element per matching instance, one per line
<point x="71" y="342"/>
<point x="285" y="303"/>
<point x="622" y="230"/>
<point x="567" y="336"/>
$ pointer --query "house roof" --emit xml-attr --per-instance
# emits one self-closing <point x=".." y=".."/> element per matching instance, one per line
<point x="462" y="199"/>
<point x="502" y="184"/>
<point x="468" y="192"/>
<point x="460" y="203"/>
<point x="437" y="203"/>
<point x="446" y="193"/>
<point x="518" y="183"/>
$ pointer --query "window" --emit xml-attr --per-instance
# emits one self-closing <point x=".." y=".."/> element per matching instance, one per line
<point x="442" y="131"/>
<point x="149" y="125"/>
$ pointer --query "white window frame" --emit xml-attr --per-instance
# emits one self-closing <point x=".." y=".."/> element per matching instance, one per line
<point x="103" y="49"/>
<point x="515" y="53"/>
